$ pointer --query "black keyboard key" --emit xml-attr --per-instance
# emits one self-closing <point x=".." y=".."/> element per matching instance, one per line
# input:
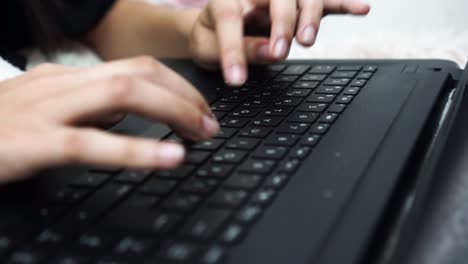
<point x="267" y="94"/>
<point x="270" y="121"/>
<point x="276" y="67"/>
<point x="223" y="106"/>
<point x="242" y="143"/>
<point x="319" y="129"/>
<point x="228" y="198"/>
<point x="310" y="140"/>
<point x="301" y="93"/>
<point x="343" y="74"/>
<point x="285" y="78"/>
<point x="197" y="157"/>
<point x="328" y="118"/>
<point x="256" y="103"/>
<point x="214" y="170"/>
<point x="93" y="207"/>
<point x="337" y="108"/>
<point x="344" y="99"/>
<point x="249" y="214"/>
<point x="337" y="82"/>
<point x="364" y="75"/>
<point x="213" y="255"/>
<point x="321" y="98"/>
<point x="182" y="203"/>
<point x="229" y="156"/>
<point x="234" y="98"/>
<point x="236" y="122"/>
<point x="107" y="170"/>
<point x="279" y="85"/>
<point x="140" y="201"/>
<point x="199" y="186"/>
<point x="179" y="252"/>
<point x="232" y="233"/>
<point x="255" y="132"/>
<point x="358" y="83"/>
<point x="306" y="85"/>
<point x="312" y="107"/>
<point x="314" y="77"/>
<point x="242" y="181"/>
<point x="67" y="195"/>
<point x="277" y="181"/>
<point x="245" y="112"/>
<point x="281" y="140"/>
<point x="132" y="247"/>
<point x="296" y="70"/>
<point x="301" y="152"/>
<point x="270" y="152"/>
<point x="158" y="187"/>
<point x="322" y="69"/>
<point x="70" y="259"/>
<point x="225" y="133"/>
<point x="329" y="90"/>
<point x="145" y="222"/>
<point x="288" y="102"/>
<point x="349" y="68"/>
<point x="278" y="111"/>
<point x="303" y="117"/>
<point x="90" y="243"/>
<point x="26" y="257"/>
<point x="133" y="176"/>
<point x="205" y="223"/>
<point x="219" y="115"/>
<point x="289" y="166"/>
<point x="263" y="197"/>
<point x="209" y="145"/>
<point x="293" y="128"/>
<point x="370" y="69"/>
<point x="50" y="238"/>
<point x="257" y="166"/>
<point x="90" y="180"/>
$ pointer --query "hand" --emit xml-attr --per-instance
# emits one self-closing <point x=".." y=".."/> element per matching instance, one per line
<point x="43" y="112"/>
<point x="218" y="34"/>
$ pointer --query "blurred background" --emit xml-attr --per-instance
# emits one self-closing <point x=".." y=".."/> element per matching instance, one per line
<point x="396" y="29"/>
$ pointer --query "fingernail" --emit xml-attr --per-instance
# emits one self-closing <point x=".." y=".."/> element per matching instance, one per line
<point x="281" y="48"/>
<point x="236" y="76"/>
<point x="210" y="126"/>
<point x="263" y="51"/>
<point x="171" y="153"/>
<point x="308" y="35"/>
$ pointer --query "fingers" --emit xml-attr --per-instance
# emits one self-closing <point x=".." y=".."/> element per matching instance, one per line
<point x="142" y="67"/>
<point x="283" y="16"/>
<point x="354" y="7"/>
<point x="228" y="21"/>
<point x="133" y="95"/>
<point x="95" y="147"/>
<point x="309" y="21"/>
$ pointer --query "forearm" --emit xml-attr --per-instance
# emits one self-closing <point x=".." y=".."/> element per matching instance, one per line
<point x="137" y="28"/>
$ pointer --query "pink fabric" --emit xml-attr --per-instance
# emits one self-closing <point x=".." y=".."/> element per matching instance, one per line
<point x="188" y="3"/>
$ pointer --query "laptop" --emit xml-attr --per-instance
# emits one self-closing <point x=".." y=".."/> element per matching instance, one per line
<point x="317" y="161"/>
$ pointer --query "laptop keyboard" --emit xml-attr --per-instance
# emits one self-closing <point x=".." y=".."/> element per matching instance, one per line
<point x="198" y="211"/>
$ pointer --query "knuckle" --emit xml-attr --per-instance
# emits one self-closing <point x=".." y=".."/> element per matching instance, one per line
<point x="119" y="88"/>
<point x="130" y="153"/>
<point x="145" y="64"/>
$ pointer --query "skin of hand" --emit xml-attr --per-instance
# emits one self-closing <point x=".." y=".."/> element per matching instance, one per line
<point x="226" y="33"/>
<point x="234" y="32"/>
<point x="45" y="113"/>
